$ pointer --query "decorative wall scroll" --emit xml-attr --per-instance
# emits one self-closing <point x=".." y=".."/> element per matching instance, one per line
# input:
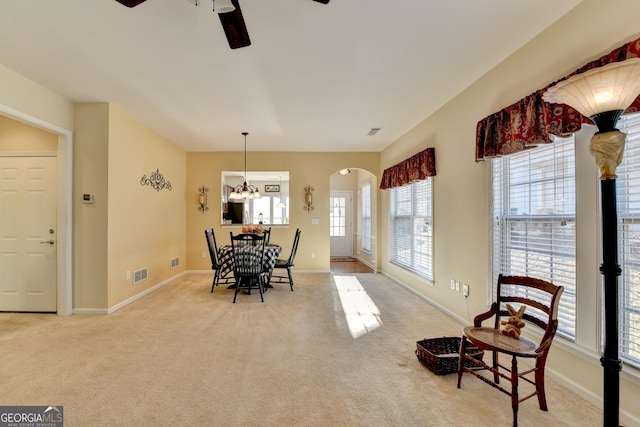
<point x="156" y="181"/>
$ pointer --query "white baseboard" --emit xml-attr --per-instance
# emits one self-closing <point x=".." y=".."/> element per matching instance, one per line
<point x="127" y="301"/>
<point x="90" y="311"/>
<point x="368" y="263"/>
<point x="442" y="308"/>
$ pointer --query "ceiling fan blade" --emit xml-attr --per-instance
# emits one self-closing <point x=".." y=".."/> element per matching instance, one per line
<point x="322" y="1"/>
<point x="234" y="27"/>
<point x="130" y="3"/>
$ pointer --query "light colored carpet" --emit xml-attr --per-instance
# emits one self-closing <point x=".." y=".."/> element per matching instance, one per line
<point x="183" y="356"/>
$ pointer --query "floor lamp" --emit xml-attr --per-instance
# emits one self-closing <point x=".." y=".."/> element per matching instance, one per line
<point x="603" y="94"/>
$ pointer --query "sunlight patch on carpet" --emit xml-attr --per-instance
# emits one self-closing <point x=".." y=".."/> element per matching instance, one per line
<point x="361" y="313"/>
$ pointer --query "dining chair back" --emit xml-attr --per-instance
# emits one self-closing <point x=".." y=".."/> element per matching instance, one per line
<point x="267" y="235"/>
<point x="287" y="264"/>
<point x="248" y="262"/>
<point x="215" y="262"/>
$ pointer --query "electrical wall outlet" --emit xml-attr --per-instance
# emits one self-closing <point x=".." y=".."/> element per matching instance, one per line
<point x="465" y="290"/>
<point x="453" y="285"/>
<point x="457" y="286"/>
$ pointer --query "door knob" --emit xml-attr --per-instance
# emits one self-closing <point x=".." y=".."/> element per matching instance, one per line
<point x="48" y="242"/>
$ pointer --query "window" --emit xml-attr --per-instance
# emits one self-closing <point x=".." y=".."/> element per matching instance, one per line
<point x="534" y="221"/>
<point x="411" y="227"/>
<point x="261" y="210"/>
<point x="628" y="195"/>
<point x="337" y="216"/>
<point x="365" y="200"/>
<point x="268" y="209"/>
<point x="273" y="203"/>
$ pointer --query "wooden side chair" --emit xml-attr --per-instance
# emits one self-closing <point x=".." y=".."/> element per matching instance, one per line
<point x="541" y="299"/>
<point x="215" y="262"/>
<point x="287" y="263"/>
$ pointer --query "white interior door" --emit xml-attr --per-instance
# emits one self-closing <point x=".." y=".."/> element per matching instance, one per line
<point x="27" y="234"/>
<point x="340" y="223"/>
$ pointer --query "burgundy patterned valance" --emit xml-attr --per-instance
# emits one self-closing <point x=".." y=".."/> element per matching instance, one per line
<point x="417" y="167"/>
<point x="531" y="121"/>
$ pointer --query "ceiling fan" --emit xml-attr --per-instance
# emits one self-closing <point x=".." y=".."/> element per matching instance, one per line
<point x="230" y="17"/>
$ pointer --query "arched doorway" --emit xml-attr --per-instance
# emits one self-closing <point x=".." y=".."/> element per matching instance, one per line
<point x="352" y="220"/>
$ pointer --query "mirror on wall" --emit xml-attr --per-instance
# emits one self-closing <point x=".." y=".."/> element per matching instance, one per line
<point x="270" y="208"/>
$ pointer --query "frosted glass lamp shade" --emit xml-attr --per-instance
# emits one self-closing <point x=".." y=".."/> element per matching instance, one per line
<point x="223" y="6"/>
<point x="609" y="88"/>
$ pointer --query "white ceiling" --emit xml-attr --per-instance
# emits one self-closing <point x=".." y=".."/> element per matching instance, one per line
<point x="316" y="77"/>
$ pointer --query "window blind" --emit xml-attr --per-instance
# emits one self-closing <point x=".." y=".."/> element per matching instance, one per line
<point x="628" y="195"/>
<point x="411" y="227"/>
<point x="534" y="231"/>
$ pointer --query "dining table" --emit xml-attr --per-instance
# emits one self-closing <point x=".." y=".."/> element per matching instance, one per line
<point x="225" y="257"/>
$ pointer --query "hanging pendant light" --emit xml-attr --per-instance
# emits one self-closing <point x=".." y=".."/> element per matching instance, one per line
<point x="245" y="191"/>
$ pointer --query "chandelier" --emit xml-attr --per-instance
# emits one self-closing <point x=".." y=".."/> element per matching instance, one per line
<point x="245" y="191"/>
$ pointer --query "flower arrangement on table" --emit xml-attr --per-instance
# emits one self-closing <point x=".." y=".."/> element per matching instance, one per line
<point x="250" y="228"/>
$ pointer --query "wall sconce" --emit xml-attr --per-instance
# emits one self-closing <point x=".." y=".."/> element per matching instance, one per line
<point x="308" y="198"/>
<point x="202" y="199"/>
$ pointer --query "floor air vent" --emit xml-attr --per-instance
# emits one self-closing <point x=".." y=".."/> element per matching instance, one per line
<point x="140" y="275"/>
<point x="175" y="262"/>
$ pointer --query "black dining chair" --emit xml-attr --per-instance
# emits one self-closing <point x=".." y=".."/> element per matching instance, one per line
<point x="215" y="262"/>
<point x="267" y="235"/>
<point x="248" y="263"/>
<point x="287" y="263"/>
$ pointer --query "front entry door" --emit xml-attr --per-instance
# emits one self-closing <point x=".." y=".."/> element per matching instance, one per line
<point x="340" y="207"/>
<point x="27" y="234"/>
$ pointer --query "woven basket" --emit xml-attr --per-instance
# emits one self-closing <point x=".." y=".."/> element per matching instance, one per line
<point x="441" y="354"/>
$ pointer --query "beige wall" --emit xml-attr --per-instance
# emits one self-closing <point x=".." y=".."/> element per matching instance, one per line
<point x="90" y="221"/>
<point x="147" y="228"/>
<point x="304" y="169"/>
<point x="462" y="187"/>
<point x="19" y="137"/>
<point x="26" y="97"/>
<point x="129" y="226"/>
